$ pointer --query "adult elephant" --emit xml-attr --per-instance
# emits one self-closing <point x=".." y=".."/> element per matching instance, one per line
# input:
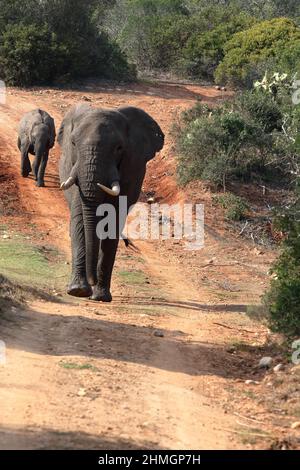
<point x="104" y="156"/>
<point x="37" y="137"/>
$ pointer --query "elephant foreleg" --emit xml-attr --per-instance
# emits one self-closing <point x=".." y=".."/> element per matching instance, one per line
<point x="25" y="163"/>
<point x="107" y="255"/>
<point x="78" y="286"/>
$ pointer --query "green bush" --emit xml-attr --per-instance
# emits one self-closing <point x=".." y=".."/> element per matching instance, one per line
<point x="170" y="34"/>
<point x="283" y="299"/>
<point x="173" y="35"/>
<point x="152" y="30"/>
<point x="29" y="55"/>
<point x="261" y="109"/>
<point x="247" y="49"/>
<point x="289" y="58"/>
<point x="57" y="40"/>
<point x="203" y="52"/>
<point x="236" y="207"/>
<point x="233" y="141"/>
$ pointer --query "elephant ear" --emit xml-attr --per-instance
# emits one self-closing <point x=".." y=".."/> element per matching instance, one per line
<point x="61" y="132"/>
<point x="52" y="132"/>
<point x="145" y="136"/>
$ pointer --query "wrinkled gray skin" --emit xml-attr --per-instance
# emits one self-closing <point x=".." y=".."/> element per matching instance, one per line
<point x="37" y="137"/>
<point x="102" y="146"/>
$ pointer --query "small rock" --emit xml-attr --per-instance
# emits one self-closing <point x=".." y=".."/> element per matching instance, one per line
<point x="159" y="334"/>
<point x="257" y="252"/>
<point x="278" y="368"/>
<point x="224" y="88"/>
<point x="6" y="237"/>
<point x="230" y="349"/>
<point x="85" y="98"/>
<point x="251" y="382"/>
<point x="265" y="363"/>
<point x="295" y="369"/>
<point x="295" y="425"/>
<point x="218" y="87"/>
<point x="81" y="392"/>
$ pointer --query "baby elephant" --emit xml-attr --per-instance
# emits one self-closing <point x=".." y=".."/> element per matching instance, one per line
<point x="37" y="137"/>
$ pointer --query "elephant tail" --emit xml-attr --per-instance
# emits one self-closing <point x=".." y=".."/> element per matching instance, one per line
<point x="129" y="243"/>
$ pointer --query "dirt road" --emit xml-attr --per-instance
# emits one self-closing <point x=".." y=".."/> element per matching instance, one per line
<point x="156" y="368"/>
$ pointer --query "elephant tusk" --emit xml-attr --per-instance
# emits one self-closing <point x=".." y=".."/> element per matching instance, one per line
<point x="68" y="184"/>
<point x="114" y="191"/>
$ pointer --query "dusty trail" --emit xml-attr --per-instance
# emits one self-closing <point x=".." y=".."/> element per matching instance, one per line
<point x="83" y="375"/>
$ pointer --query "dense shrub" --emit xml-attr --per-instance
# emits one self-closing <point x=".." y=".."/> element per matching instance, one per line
<point x="42" y="42"/>
<point x="236" y="207"/>
<point x="172" y="35"/>
<point x="248" y="49"/>
<point x="203" y="52"/>
<point x="151" y="31"/>
<point x="261" y="109"/>
<point x="189" y="36"/>
<point x="283" y="299"/>
<point x="29" y="54"/>
<point x="233" y="141"/>
<point x="289" y="58"/>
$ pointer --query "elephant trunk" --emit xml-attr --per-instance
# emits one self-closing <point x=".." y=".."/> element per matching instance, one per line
<point x="91" y="242"/>
<point x="97" y="176"/>
<point x="40" y="148"/>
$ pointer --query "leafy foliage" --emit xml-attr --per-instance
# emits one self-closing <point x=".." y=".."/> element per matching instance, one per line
<point x="59" y="39"/>
<point x="235" y="207"/>
<point x="190" y="37"/>
<point x="233" y="141"/>
<point x="283" y="299"/>
<point x="29" y="54"/>
<point x="151" y="30"/>
<point x="247" y="49"/>
<point x="203" y="52"/>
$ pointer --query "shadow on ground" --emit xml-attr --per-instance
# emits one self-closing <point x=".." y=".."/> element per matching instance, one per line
<point x="187" y="305"/>
<point x="94" y="337"/>
<point x="49" y="439"/>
